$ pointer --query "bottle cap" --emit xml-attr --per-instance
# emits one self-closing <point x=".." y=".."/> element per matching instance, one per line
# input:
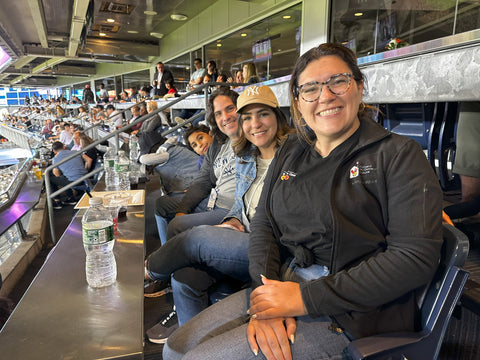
<point x="95" y="201"/>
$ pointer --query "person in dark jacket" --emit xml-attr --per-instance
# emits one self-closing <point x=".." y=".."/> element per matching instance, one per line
<point x="88" y="95"/>
<point x="348" y="226"/>
<point x="160" y="78"/>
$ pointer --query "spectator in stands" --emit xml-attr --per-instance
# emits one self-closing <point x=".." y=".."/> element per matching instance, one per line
<point x="160" y="79"/>
<point x="88" y="95"/>
<point x="213" y="190"/>
<point x="82" y="140"/>
<point x="135" y="115"/>
<point x="220" y="251"/>
<point x="145" y="93"/>
<point x="197" y="76"/>
<point x="59" y="112"/>
<point x="250" y="73"/>
<point x="66" y="135"/>
<point x="467" y="162"/>
<point x="103" y="93"/>
<point x="224" y="77"/>
<point x="239" y="76"/>
<point x="199" y="139"/>
<point x="27" y="123"/>
<point x="212" y="70"/>
<point x="348" y="227"/>
<point x="98" y="114"/>
<point x="124" y="96"/>
<point x="115" y="118"/>
<point x="152" y="123"/>
<point x="172" y="90"/>
<point x="65" y="173"/>
<point x="47" y="128"/>
<point x="134" y="96"/>
<point x="82" y="113"/>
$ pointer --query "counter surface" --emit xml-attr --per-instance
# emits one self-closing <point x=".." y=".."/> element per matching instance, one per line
<point x="60" y="317"/>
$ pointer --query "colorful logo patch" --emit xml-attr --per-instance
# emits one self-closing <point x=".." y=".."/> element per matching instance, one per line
<point x="354" y="172"/>
<point x="286" y="175"/>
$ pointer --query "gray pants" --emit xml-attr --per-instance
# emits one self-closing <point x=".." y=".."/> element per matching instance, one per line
<point x="220" y="332"/>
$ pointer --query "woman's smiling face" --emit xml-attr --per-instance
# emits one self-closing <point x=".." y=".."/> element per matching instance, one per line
<point x="259" y="125"/>
<point x="332" y="117"/>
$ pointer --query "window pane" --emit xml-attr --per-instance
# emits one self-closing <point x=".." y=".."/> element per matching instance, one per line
<point x="372" y="26"/>
<point x="282" y="29"/>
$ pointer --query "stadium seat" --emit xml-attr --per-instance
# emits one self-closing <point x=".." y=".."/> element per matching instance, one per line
<point x="439" y="300"/>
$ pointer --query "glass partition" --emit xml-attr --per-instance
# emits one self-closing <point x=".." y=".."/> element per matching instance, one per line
<point x="272" y="44"/>
<point x="373" y="26"/>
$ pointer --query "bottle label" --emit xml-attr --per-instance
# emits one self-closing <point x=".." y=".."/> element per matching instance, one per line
<point x="110" y="163"/>
<point x="121" y="167"/>
<point x="97" y="236"/>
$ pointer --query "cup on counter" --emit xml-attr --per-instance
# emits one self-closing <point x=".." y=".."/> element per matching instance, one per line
<point x="119" y="199"/>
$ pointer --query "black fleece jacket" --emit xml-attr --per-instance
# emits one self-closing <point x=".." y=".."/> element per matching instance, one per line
<point x="386" y="207"/>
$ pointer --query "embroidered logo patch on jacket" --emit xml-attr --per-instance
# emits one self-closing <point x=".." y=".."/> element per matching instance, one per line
<point x="364" y="174"/>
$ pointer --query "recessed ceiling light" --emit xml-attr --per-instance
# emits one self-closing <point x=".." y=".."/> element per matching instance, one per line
<point x="243" y="34"/>
<point x="111" y="20"/>
<point x="150" y="12"/>
<point x="286" y="17"/>
<point x="178" y="17"/>
<point x="102" y="34"/>
<point x="358" y="14"/>
<point x="132" y="31"/>
<point x="156" y="34"/>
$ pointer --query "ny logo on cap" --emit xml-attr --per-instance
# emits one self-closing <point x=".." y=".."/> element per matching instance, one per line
<point x="252" y="91"/>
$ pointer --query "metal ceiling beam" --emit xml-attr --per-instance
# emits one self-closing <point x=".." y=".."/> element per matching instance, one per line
<point x="48" y="64"/>
<point x="78" y="21"/>
<point x="24" y="60"/>
<point x="38" y="15"/>
<point x="39" y="68"/>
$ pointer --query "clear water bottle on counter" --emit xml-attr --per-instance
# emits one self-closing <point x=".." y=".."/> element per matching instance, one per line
<point x="134" y="165"/>
<point x="122" y="170"/>
<point x="98" y="241"/>
<point x="111" y="179"/>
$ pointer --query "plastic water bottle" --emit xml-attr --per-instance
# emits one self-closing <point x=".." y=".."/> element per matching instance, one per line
<point x="134" y="165"/>
<point x="111" y="179"/>
<point x="98" y="241"/>
<point x="133" y="144"/>
<point x="122" y="169"/>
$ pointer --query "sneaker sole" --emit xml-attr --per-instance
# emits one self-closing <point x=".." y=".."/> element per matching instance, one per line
<point x="158" y="293"/>
<point x="157" y="341"/>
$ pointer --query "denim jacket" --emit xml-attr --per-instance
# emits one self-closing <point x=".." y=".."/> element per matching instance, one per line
<point x="246" y="171"/>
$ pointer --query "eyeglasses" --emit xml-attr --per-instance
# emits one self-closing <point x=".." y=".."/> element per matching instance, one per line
<point x="337" y="84"/>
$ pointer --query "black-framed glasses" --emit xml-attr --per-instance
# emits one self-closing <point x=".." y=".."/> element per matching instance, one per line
<point x="337" y="84"/>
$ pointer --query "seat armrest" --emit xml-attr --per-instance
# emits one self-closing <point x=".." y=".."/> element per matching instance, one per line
<point x="373" y="347"/>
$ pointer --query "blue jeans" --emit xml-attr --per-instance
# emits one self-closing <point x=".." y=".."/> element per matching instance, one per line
<point x="181" y="169"/>
<point x="199" y="257"/>
<point x="200" y="216"/>
<point x="168" y="225"/>
<point x="189" y="113"/>
<point x="219" y="332"/>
